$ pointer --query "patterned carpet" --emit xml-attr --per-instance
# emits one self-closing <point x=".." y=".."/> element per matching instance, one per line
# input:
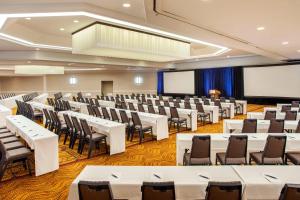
<point x="55" y="185"/>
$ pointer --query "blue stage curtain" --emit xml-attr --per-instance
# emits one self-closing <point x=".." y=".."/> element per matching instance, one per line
<point x="215" y="78"/>
<point x="160" y="83"/>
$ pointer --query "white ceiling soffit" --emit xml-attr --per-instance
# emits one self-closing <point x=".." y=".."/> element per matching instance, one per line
<point x="234" y="23"/>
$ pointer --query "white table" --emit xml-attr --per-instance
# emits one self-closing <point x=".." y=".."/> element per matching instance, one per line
<point x="261" y="115"/>
<point x="188" y="184"/>
<point x="103" y="103"/>
<point x="41" y="98"/>
<point x="40" y="107"/>
<point x="259" y="186"/>
<point x="190" y="115"/>
<point x="276" y="109"/>
<point x="219" y="143"/>
<point x="279" y="106"/>
<point x="79" y="105"/>
<point x="67" y="96"/>
<point x="159" y="123"/>
<point x="11" y="101"/>
<point x="262" y="125"/>
<point x="4" y="112"/>
<point x="41" y="140"/>
<point x="115" y="131"/>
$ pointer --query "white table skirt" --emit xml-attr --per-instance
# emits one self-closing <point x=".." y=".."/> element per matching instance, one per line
<point x="11" y="101"/>
<point x="188" y="184"/>
<point x="190" y="115"/>
<point x="115" y="131"/>
<point x="261" y="115"/>
<point x="219" y="143"/>
<point x="262" y="125"/>
<point x="41" y="98"/>
<point x="104" y="103"/>
<point x="159" y="123"/>
<point x="258" y="186"/>
<point x="41" y="140"/>
<point x="4" y="112"/>
<point x="81" y="106"/>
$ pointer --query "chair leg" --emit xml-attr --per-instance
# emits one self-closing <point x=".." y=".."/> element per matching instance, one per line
<point x="66" y="137"/>
<point x="28" y="166"/>
<point x="91" y="146"/>
<point x="106" y="148"/>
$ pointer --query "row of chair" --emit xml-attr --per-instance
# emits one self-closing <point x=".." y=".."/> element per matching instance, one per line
<point x="29" y="97"/>
<point x="12" y="150"/>
<point x="276" y="126"/>
<point x="26" y="110"/>
<point x="6" y="95"/>
<point x="166" y="191"/>
<point x="236" y="153"/>
<point x="59" y="105"/>
<point x="289" y="115"/>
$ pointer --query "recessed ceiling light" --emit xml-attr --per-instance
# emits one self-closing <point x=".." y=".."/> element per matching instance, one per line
<point x="261" y="28"/>
<point x="126" y="5"/>
<point x="61" y="29"/>
<point x="75" y="21"/>
<point x="285" y="43"/>
<point x="28" y="18"/>
<point x="228" y="56"/>
<point x="37" y="49"/>
<point x="70" y="64"/>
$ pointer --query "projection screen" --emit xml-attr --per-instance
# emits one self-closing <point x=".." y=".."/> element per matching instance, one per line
<point x="179" y="82"/>
<point x="274" y="81"/>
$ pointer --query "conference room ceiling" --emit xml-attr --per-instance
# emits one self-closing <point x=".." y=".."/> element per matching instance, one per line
<point x="232" y="24"/>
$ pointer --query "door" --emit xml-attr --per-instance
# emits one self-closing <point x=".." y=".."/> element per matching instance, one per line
<point x="107" y="87"/>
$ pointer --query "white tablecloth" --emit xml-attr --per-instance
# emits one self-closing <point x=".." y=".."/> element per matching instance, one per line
<point x="115" y="131"/>
<point x="159" y="123"/>
<point x="41" y="98"/>
<point x="81" y="106"/>
<point x="261" y="115"/>
<point x="188" y="184"/>
<point x="4" y="112"/>
<point x="260" y="186"/>
<point x="11" y="101"/>
<point x="262" y="125"/>
<point x="41" y="140"/>
<point x="219" y="143"/>
<point x="104" y="103"/>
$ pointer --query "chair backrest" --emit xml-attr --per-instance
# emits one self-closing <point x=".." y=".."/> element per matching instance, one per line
<point x="176" y="104"/>
<point x="290" y="192"/>
<point x="206" y="102"/>
<point x="141" y="107"/>
<point x="295" y="104"/>
<point x="124" y="117"/>
<point x="85" y="127"/>
<point x="237" y="147"/>
<point x="97" y="102"/>
<point x="224" y="191"/>
<point x="90" y="110"/>
<point x="166" y="104"/>
<point x="47" y="115"/>
<point x="144" y="99"/>
<point x="158" y="191"/>
<point x="151" y="109"/>
<point x="174" y="112"/>
<point x="157" y="102"/>
<point x="200" y="147"/>
<point x="52" y="117"/>
<point x="275" y="147"/>
<point x="105" y="113"/>
<point x="68" y="121"/>
<point x="298" y="127"/>
<point x="94" y="190"/>
<point x="123" y="105"/>
<point x="131" y="106"/>
<point x="171" y="99"/>
<point x="290" y="115"/>
<point x="196" y="100"/>
<point x="136" y="119"/>
<point x="249" y="126"/>
<point x="270" y="114"/>
<point x="97" y="111"/>
<point x="114" y="115"/>
<point x="149" y="102"/>
<point x="91" y="102"/>
<point x="285" y="108"/>
<point x="106" y="98"/>
<point x="199" y="108"/>
<point x="218" y="103"/>
<point x="76" y="125"/>
<point x="187" y="105"/>
<point x="162" y="111"/>
<point x="276" y="126"/>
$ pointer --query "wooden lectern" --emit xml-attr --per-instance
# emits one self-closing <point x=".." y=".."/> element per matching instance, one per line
<point x="215" y="94"/>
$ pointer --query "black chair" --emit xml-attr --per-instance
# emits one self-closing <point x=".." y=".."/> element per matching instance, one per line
<point x="200" y="151"/>
<point x="224" y="191"/>
<point x="201" y="114"/>
<point x="105" y="113"/>
<point x="270" y="114"/>
<point x="70" y="128"/>
<point x="78" y="134"/>
<point x="47" y="119"/>
<point x="176" y="104"/>
<point x="141" y="107"/>
<point x="149" y="102"/>
<point x="249" y="126"/>
<point x="273" y="153"/>
<point x="166" y="104"/>
<point x="290" y="192"/>
<point x="94" y="190"/>
<point x="114" y="115"/>
<point x="276" y="126"/>
<point x="97" y="111"/>
<point x="295" y="104"/>
<point x="176" y="120"/>
<point x="290" y="115"/>
<point x="158" y="191"/>
<point x="139" y="127"/>
<point x="131" y="106"/>
<point x="93" y="139"/>
<point x="123" y="105"/>
<point x="187" y="105"/>
<point x="151" y="109"/>
<point x="236" y="153"/>
<point x="285" y="108"/>
<point x="222" y="111"/>
<point x="157" y="102"/>
<point x="125" y="120"/>
<point x="90" y="110"/>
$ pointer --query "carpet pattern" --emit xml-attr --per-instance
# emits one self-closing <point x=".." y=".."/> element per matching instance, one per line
<point x="55" y="185"/>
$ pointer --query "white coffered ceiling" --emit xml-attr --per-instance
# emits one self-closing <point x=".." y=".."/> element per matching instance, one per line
<point x="226" y="23"/>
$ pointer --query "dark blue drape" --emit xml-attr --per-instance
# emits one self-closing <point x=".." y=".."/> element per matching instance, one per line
<point x="160" y="82"/>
